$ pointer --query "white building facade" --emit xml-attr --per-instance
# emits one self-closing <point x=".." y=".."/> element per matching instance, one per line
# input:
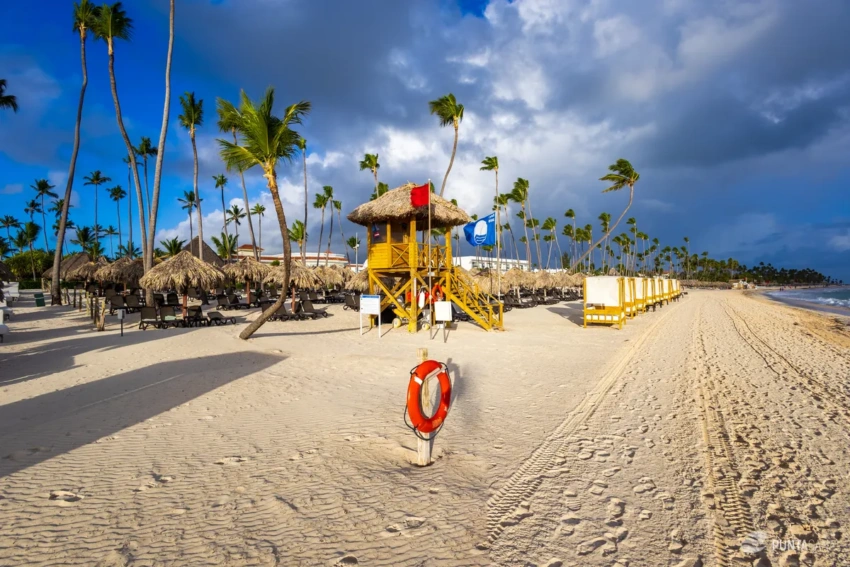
<point x="484" y="262"/>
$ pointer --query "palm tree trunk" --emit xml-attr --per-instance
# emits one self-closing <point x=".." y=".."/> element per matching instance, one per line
<point x="96" y="231"/>
<point x="129" y="207"/>
<point x="224" y="226"/>
<point x="560" y="253"/>
<point x="344" y="243"/>
<point x="260" y="221"/>
<point x="191" y="234"/>
<point x="303" y="245"/>
<point x="271" y="176"/>
<point x="527" y="241"/>
<point x="147" y="188"/>
<point x="330" y="236"/>
<point x="130" y="152"/>
<point x="55" y="295"/>
<point x="32" y="261"/>
<point x="118" y="212"/>
<point x="198" y="200"/>
<point x="321" y="231"/>
<point x="614" y="226"/>
<point x="498" y="239"/>
<point x="157" y="176"/>
<point x="451" y="161"/>
<point x="534" y="233"/>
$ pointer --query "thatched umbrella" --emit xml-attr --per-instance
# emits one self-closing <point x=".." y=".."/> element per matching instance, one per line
<point x="299" y="274"/>
<point x="107" y="273"/>
<point x="87" y="271"/>
<point x="69" y="263"/>
<point x="329" y="276"/>
<point x="248" y="269"/>
<point x="394" y="206"/>
<point x="544" y="280"/>
<point x="182" y="272"/>
<point x="360" y="282"/>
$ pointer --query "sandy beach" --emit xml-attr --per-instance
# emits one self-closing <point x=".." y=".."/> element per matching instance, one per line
<point x="716" y="418"/>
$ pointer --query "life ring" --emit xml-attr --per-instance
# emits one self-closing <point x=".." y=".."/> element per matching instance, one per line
<point x="414" y="396"/>
<point x="437" y="292"/>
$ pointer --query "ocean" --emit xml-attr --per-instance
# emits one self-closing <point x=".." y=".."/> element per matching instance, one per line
<point x="829" y="299"/>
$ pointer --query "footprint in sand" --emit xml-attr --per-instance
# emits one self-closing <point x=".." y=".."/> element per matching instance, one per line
<point x="232" y="461"/>
<point x="598" y="487"/>
<point x="645" y="485"/>
<point x="346" y="561"/>
<point x="65" y="497"/>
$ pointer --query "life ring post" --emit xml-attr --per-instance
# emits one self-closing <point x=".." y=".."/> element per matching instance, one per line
<point x="425" y="441"/>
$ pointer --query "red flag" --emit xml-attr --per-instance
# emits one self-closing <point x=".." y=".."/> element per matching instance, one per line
<point x="420" y="196"/>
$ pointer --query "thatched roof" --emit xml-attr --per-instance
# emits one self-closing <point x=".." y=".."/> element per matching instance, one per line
<point x="545" y="280"/>
<point x="247" y="269"/>
<point x="67" y="265"/>
<point x="360" y="282"/>
<point x="86" y="271"/>
<point x="209" y="254"/>
<point x="181" y="272"/>
<point x="5" y="272"/>
<point x="394" y="206"/>
<point x="329" y="275"/>
<point x="302" y="276"/>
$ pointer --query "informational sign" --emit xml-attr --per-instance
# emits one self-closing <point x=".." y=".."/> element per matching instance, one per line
<point x="443" y="311"/>
<point x="370" y="304"/>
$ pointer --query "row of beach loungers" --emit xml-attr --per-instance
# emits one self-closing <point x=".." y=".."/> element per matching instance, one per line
<point x="611" y="300"/>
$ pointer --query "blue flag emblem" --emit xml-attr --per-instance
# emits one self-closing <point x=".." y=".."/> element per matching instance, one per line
<point x="481" y="232"/>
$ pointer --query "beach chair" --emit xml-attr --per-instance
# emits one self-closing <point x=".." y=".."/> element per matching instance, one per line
<point x="132" y="303"/>
<point x="195" y="316"/>
<point x="352" y="302"/>
<point x="308" y="309"/>
<point x="282" y="314"/>
<point x="12" y="292"/>
<point x="217" y="318"/>
<point x="172" y="300"/>
<point x="4" y="330"/>
<point x="640" y="295"/>
<point x="222" y="302"/>
<point x="116" y="302"/>
<point x="171" y="317"/>
<point x="303" y="296"/>
<point x="149" y="318"/>
<point x="235" y="303"/>
<point x="604" y="298"/>
<point x="629" y="297"/>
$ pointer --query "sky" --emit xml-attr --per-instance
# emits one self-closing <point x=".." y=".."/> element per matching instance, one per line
<point x="736" y="113"/>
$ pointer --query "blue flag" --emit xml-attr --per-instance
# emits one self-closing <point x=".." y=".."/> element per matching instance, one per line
<point x="481" y="232"/>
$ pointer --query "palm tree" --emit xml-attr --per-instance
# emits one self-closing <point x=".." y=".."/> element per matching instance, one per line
<point x="605" y="222"/>
<point x="370" y="162"/>
<point x="333" y="205"/>
<point x="520" y="195"/>
<point x="298" y="234"/>
<point x="126" y="160"/>
<point x="5" y="249"/>
<point x="228" y="121"/>
<point x="225" y="246"/>
<point x="687" y="257"/>
<point x="379" y="190"/>
<point x="632" y="222"/>
<point x="491" y="163"/>
<point x="157" y="175"/>
<point x="533" y="223"/>
<point x="129" y="250"/>
<point x="189" y="204"/>
<point x="450" y="113"/>
<point x="354" y="244"/>
<point x="33" y="207"/>
<point x="323" y="199"/>
<point x="116" y="194"/>
<point x="56" y="208"/>
<point x="302" y="145"/>
<point x="145" y="150"/>
<point x="110" y="232"/>
<point x="622" y="174"/>
<point x="338" y="206"/>
<point x="9" y="222"/>
<point x="112" y="23"/>
<point x="266" y="139"/>
<point x="26" y="236"/>
<point x="192" y="117"/>
<point x="97" y="179"/>
<point x="220" y="183"/>
<point x="7" y="101"/>
<point x="551" y="225"/>
<point x="571" y="214"/>
<point x="173" y="247"/>
<point x="85" y="17"/>
<point x="42" y="189"/>
<point x="234" y="214"/>
<point x="259" y="211"/>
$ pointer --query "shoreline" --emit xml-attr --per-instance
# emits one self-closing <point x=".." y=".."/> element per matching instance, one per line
<point x="820" y="308"/>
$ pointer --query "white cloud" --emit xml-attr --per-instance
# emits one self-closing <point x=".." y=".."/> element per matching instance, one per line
<point x="12" y="189"/>
<point x="840" y="242"/>
<point x="614" y="35"/>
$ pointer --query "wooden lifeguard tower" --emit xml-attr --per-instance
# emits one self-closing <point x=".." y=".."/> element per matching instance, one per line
<point x="400" y="260"/>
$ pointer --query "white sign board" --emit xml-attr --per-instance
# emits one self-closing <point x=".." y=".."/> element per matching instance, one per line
<point x="370" y="304"/>
<point x="443" y="311"/>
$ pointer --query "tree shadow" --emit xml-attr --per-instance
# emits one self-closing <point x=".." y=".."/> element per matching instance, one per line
<point x="260" y="335"/>
<point x="37" y="429"/>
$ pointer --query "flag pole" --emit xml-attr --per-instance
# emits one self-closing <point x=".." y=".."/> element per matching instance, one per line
<point x="430" y="270"/>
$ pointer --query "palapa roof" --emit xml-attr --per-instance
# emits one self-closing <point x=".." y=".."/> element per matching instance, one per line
<point x="360" y="282"/>
<point x="394" y="206"/>
<point x="86" y="271"/>
<point x="181" y="272"/>
<point x="68" y="264"/>
<point x="302" y="276"/>
<point x="247" y="269"/>
<point x="209" y="254"/>
<point x="544" y="279"/>
<point x="329" y="275"/>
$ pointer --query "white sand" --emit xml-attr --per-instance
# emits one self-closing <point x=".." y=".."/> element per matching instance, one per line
<point x="661" y="444"/>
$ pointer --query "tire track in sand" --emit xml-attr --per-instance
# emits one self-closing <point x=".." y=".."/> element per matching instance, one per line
<point x="501" y="507"/>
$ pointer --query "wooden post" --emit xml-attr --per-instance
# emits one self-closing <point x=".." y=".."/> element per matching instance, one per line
<point x="424" y="446"/>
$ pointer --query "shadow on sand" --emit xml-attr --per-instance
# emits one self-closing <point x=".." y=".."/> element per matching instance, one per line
<point x="574" y="314"/>
<point x="37" y="429"/>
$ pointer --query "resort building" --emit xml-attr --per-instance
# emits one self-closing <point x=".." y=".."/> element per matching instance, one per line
<point x="246" y="250"/>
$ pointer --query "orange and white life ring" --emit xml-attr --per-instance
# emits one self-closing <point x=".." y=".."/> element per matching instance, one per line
<point x="418" y="375"/>
<point x="437" y="293"/>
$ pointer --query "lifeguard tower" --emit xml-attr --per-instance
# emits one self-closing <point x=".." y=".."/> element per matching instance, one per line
<point x="400" y="259"/>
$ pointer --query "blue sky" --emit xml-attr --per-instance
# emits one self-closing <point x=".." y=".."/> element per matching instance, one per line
<point x="736" y="114"/>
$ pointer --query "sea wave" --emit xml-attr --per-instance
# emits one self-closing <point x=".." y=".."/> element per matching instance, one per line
<point x="839" y="297"/>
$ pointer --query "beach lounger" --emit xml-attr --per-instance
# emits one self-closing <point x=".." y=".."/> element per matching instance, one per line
<point x="172" y="300"/>
<point x="4" y="330"/>
<point x="195" y="317"/>
<point x="171" y="317"/>
<point x="282" y="314"/>
<point x="235" y="303"/>
<point x="116" y="302"/>
<point x="629" y="297"/>
<point x="132" y="303"/>
<point x="352" y="302"/>
<point x="308" y="309"/>
<point x="604" y="300"/>
<point x="149" y="318"/>
<point x="217" y="318"/>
